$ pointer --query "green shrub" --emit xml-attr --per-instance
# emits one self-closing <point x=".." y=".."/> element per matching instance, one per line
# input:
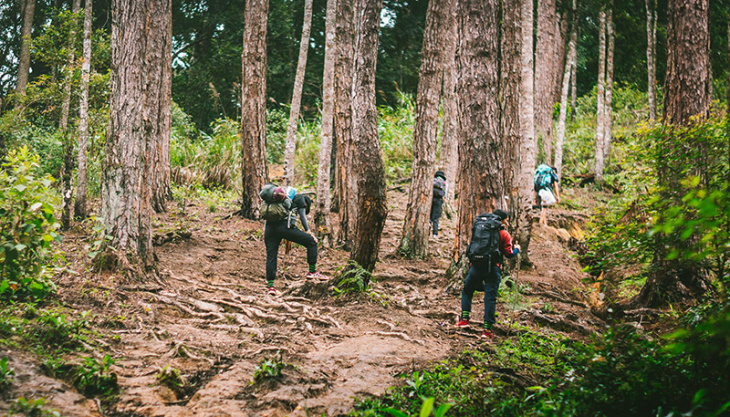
<point x="31" y="408"/>
<point x="352" y="279"/>
<point x="92" y="378"/>
<point x="27" y="228"/>
<point x="6" y="374"/>
<point x="57" y="330"/>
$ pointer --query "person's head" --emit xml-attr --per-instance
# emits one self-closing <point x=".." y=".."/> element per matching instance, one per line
<point x="440" y="174"/>
<point x="279" y="195"/>
<point x="503" y="215"/>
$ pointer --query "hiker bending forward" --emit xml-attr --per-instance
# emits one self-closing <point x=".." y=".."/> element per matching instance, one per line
<point x="486" y="273"/>
<point x="276" y="230"/>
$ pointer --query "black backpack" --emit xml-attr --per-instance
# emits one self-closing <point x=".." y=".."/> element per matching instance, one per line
<point x="439" y="187"/>
<point x="484" y="247"/>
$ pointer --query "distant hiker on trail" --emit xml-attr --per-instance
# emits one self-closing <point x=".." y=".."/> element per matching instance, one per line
<point x="547" y="189"/>
<point x="490" y="242"/>
<point x="280" y="212"/>
<point x="439" y="191"/>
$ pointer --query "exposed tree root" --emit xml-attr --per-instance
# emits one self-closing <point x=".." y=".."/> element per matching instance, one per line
<point x="399" y="335"/>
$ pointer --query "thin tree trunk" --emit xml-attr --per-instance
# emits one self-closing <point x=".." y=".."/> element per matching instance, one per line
<point x="558" y="163"/>
<point x="600" y="119"/>
<point x="129" y="158"/>
<point x="26" y="27"/>
<point x="545" y="55"/>
<point x="561" y="43"/>
<point x="449" y="140"/>
<point x="82" y="174"/>
<point x="651" y="56"/>
<point x="159" y="91"/>
<point x="253" y="106"/>
<point x="686" y="96"/>
<point x="480" y="148"/>
<point x="345" y="181"/>
<point x="527" y="153"/>
<point x="574" y="75"/>
<point x="416" y="228"/>
<point x="322" y="213"/>
<point x="371" y="200"/>
<point x="296" y="101"/>
<point x="608" y="121"/>
<point x="68" y="139"/>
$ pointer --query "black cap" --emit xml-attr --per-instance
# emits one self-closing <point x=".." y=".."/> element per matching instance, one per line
<point x="440" y="174"/>
<point x="501" y="214"/>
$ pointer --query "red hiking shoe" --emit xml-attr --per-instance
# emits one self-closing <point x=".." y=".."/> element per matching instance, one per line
<point x="462" y="323"/>
<point x="271" y="291"/>
<point x="316" y="275"/>
<point x="487" y="335"/>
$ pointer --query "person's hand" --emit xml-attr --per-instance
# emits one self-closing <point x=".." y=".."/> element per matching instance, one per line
<point x="313" y="236"/>
<point x="517" y="246"/>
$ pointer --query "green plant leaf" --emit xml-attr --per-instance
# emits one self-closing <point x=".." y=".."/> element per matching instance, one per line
<point x="427" y="407"/>
<point x="394" y="412"/>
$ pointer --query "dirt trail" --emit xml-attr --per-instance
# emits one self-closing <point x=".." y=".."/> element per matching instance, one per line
<point x="208" y="316"/>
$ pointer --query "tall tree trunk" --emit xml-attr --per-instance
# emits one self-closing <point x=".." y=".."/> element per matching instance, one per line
<point x="545" y="55"/>
<point x="509" y="91"/>
<point x="558" y="163"/>
<point x="28" y="11"/>
<point x="600" y="111"/>
<point x="608" y="121"/>
<point x="686" y="96"/>
<point x="322" y="212"/>
<point x="296" y="100"/>
<point x="480" y="149"/>
<point x="449" y="161"/>
<point x="345" y="181"/>
<point x="128" y="166"/>
<point x="416" y="228"/>
<point x="651" y="56"/>
<point x="68" y="139"/>
<point x="527" y="153"/>
<point x="81" y="159"/>
<point x="253" y="106"/>
<point x="371" y="200"/>
<point x="160" y="100"/>
<point x="561" y="43"/>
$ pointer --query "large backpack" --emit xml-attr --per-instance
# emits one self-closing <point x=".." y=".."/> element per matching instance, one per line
<point x="484" y="247"/>
<point x="543" y="177"/>
<point x="439" y="187"/>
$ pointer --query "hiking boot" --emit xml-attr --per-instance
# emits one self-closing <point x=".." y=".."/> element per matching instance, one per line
<point x="462" y="323"/>
<point x="316" y="275"/>
<point x="487" y="335"/>
<point x="271" y="291"/>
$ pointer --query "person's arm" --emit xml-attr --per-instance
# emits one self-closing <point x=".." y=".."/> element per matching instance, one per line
<point x="505" y="240"/>
<point x="303" y="218"/>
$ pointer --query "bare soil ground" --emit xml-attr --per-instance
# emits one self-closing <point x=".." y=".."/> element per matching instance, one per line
<point x="207" y="315"/>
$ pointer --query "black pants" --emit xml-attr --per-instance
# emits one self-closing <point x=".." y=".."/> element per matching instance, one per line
<point x="436" y="204"/>
<point x="274" y="232"/>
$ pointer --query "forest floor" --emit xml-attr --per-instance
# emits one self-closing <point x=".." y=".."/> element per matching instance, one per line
<point x="207" y="315"/>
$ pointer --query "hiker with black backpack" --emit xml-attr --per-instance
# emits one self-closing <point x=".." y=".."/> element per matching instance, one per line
<point x="280" y="212"/>
<point x="547" y="189"/>
<point x="490" y="243"/>
<point x="439" y="191"/>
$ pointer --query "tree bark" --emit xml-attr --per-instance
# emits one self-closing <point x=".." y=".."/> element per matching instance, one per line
<point x="416" y="227"/>
<point x="651" y="56"/>
<point x="608" y="121"/>
<point x="26" y="27"/>
<point x="686" y="97"/>
<point x="449" y="161"/>
<point x="322" y="212"/>
<point x="159" y="93"/>
<point x="129" y="162"/>
<point x="371" y="200"/>
<point x="253" y="106"/>
<point x="561" y="44"/>
<point x="82" y="174"/>
<point x="545" y="55"/>
<point x="560" y="140"/>
<point x="574" y="74"/>
<point x="68" y="139"/>
<point x="600" y="111"/>
<point x="522" y="200"/>
<point x="480" y="148"/>
<point x="345" y="181"/>
<point x="296" y="101"/>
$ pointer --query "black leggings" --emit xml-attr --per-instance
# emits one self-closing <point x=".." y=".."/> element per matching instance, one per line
<point x="274" y="232"/>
